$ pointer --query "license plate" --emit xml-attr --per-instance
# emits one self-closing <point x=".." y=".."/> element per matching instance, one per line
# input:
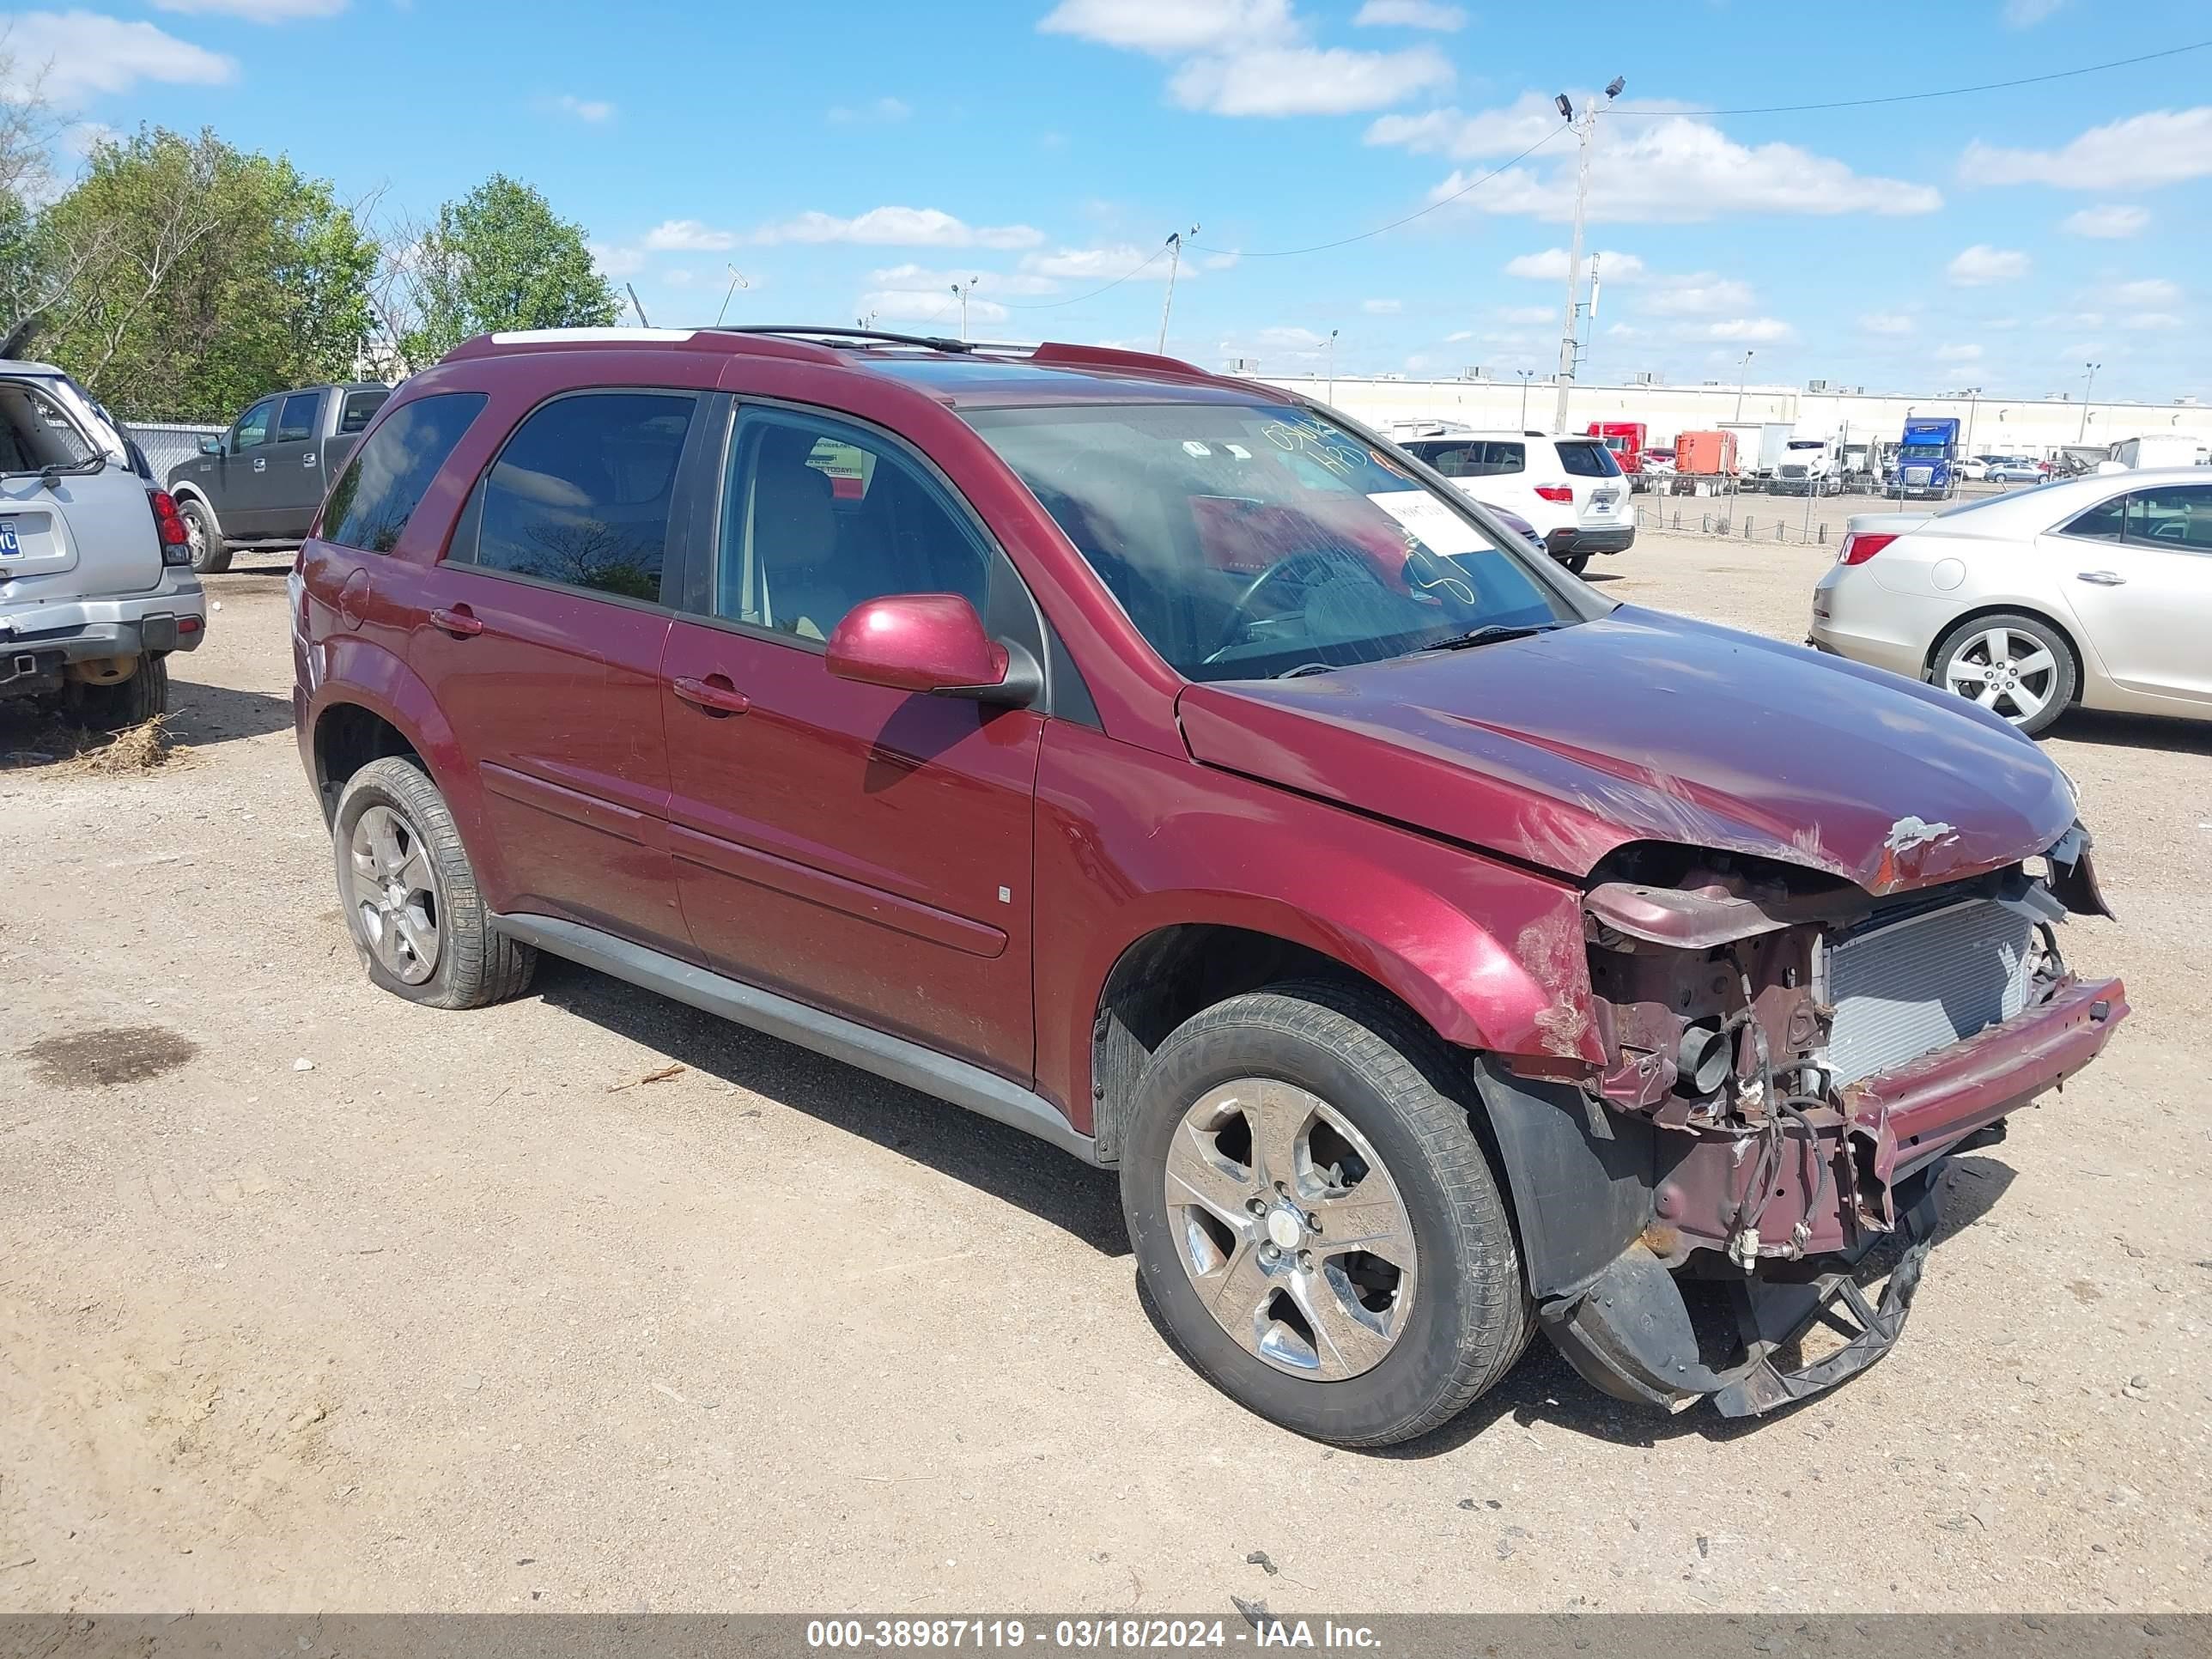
<point x="9" y="547"/>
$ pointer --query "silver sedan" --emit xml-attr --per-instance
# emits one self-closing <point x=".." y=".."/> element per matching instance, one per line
<point x="2096" y="593"/>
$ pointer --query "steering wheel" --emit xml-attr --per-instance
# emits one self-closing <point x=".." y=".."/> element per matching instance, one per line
<point x="1240" y="617"/>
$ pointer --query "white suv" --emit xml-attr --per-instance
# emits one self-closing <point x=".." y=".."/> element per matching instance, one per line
<point x="1570" y="488"/>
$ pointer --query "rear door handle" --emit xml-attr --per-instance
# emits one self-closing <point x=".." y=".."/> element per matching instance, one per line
<point x="307" y="459"/>
<point x="260" y="463"/>
<point x="460" y="622"/>
<point x="714" y="694"/>
<point x="2102" y="578"/>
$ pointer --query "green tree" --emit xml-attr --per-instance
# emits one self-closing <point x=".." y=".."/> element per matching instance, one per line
<point x="497" y="258"/>
<point x="195" y="277"/>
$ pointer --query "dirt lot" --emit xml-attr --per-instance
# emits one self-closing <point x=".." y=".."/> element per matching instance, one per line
<point x="467" y="1316"/>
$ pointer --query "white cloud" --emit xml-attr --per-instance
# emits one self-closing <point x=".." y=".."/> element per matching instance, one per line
<point x="614" y="261"/>
<point x="1095" y="264"/>
<point x="1981" y="264"/>
<point x="257" y="11"/>
<point x="1885" y="322"/>
<point x="1457" y="335"/>
<point x="1700" y="294"/>
<point x="900" y="305"/>
<point x="688" y="236"/>
<point x="2145" y="291"/>
<point x="898" y="227"/>
<point x="2163" y="146"/>
<point x="2109" y="223"/>
<point x="73" y="54"/>
<point x="1551" y="266"/>
<point x="1670" y="168"/>
<point x="1750" y="330"/>
<point x="1218" y="261"/>
<point x="1381" y="307"/>
<point x="1410" y="15"/>
<point x="593" y="109"/>
<point x="679" y="277"/>
<point x="1306" y="80"/>
<point x="2151" y="320"/>
<point x="940" y="280"/>
<point x="1522" y="316"/>
<point x="2027" y="14"/>
<point x="880" y="109"/>
<point x="1959" y="354"/>
<point x="1250" y="56"/>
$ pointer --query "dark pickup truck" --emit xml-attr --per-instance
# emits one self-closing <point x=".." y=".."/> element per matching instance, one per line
<point x="258" y="484"/>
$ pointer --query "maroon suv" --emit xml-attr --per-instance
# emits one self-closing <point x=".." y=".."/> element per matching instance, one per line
<point x="1161" y="764"/>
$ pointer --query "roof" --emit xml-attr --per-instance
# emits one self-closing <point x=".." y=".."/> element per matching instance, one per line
<point x="954" y="372"/>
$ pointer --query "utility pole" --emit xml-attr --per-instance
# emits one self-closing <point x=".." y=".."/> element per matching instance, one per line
<point x="960" y="292"/>
<point x="2086" y="389"/>
<point x="1332" y="365"/>
<point x="1527" y="375"/>
<point x="631" y="290"/>
<point x="1743" y="375"/>
<point x="1584" y="130"/>
<point x="1175" y="262"/>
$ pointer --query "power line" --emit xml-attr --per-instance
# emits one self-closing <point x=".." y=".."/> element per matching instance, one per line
<point x="1053" y="305"/>
<point x="1419" y="213"/>
<point x="1922" y="97"/>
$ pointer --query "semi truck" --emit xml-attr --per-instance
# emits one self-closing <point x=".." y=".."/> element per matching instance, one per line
<point x="1927" y="458"/>
<point x="1625" y="439"/>
<point x="1760" y="445"/>
<point x="1809" y="466"/>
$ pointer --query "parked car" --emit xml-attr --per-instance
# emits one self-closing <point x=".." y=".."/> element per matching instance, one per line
<point x="1570" y="488"/>
<point x="258" y="484"/>
<point x="1659" y="461"/>
<point x="1163" y="765"/>
<point x="2097" y="591"/>
<point x="1975" y="469"/>
<point x="2014" y="469"/>
<point x="95" y="587"/>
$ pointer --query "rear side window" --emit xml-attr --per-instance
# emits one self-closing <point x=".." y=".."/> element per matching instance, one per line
<point x="375" y="496"/>
<point x="2100" y="523"/>
<point x="581" y="495"/>
<point x="1588" y="461"/>
<point x="359" y="406"/>
<point x="296" y="424"/>
<point x="2177" y="517"/>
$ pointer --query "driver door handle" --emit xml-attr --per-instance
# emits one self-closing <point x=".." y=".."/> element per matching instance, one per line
<point x="461" y="622"/>
<point x="2102" y="578"/>
<point x="715" y="695"/>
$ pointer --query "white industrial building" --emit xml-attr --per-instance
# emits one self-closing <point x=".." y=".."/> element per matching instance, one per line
<point x="1990" y="425"/>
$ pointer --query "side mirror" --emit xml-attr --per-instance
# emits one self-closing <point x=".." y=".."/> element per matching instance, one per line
<point x="210" y="446"/>
<point x="931" y="642"/>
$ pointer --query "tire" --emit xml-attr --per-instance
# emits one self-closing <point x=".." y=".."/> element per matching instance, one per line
<point x="210" y="554"/>
<point x="125" y="703"/>
<point x="1576" y="563"/>
<point x="1289" y="1053"/>
<point x="1970" y="647"/>
<point x="410" y="902"/>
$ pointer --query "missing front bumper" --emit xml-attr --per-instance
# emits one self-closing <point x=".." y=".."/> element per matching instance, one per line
<point x="1630" y="1333"/>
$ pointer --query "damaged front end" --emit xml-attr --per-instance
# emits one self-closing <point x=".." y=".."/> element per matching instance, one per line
<point x="1788" y="1056"/>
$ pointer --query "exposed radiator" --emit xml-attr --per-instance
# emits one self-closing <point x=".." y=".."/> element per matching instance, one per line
<point x="1901" y="989"/>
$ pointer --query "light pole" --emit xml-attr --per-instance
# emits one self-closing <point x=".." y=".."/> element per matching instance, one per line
<point x="2088" y="387"/>
<point x="737" y="281"/>
<point x="1332" y="365"/>
<point x="1175" y="262"/>
<point x="1743" y="375"/>
<point x="1583" y="130"/>
<point x="1527" y="375"/>
<point x="960" y="292"/>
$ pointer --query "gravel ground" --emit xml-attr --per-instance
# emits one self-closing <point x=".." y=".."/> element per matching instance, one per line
<point x="312" y="1299"/>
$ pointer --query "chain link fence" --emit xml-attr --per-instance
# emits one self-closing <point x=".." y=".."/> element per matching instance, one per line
<point x="168" y="442"/>
<point x="1738" y="517"/>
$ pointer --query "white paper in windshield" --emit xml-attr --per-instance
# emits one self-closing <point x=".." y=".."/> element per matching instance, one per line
<point x="1439" y="528"/>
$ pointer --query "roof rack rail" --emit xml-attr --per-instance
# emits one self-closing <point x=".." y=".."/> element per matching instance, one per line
<point x="1086" y="356"/>
<point x="856" y="336"/>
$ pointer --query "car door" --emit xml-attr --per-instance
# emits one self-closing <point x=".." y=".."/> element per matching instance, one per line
<point x="292" y="485"/>
<point x="2137" y="570"/>
<point x="243" y="470"/>
<point x="861" y="849"/>
<point x="541" y="640"/>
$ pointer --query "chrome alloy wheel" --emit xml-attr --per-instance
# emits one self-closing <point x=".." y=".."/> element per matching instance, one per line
<point x="395" y="894"/>
<point x="1290" y="1229"/>
<point x="2010" y="672"/>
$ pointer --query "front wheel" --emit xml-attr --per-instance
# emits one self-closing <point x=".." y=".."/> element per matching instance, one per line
<point x="1314" y="1220"/>
<point x="2015" y="666"/>
<point x="210" y="554"/>
<point x="1575" y="563"/>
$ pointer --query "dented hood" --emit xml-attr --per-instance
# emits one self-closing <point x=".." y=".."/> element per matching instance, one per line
<point x="1556" y="749"/>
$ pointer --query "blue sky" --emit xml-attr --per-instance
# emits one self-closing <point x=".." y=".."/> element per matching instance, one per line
<point x="861" y="157"/>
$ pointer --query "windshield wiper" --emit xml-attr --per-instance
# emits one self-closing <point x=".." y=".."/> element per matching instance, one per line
<point x="1492" y="633"/>
<point x="1305" y="669"/>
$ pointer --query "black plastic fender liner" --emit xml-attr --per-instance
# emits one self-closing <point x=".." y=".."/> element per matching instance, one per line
<point x="1581" y="1177"/>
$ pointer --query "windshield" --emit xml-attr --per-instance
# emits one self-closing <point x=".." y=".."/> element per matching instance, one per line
<point x="1247" y="540"/>
<point x="1808" y="443"/>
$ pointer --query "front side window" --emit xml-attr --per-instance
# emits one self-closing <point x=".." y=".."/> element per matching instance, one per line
<point x="252" y="429"/>
<point x="819" y="516"/>
<point x="2178" y="517"/>
<point x="1249" y="540"/>
<point x="377" y="493"/>
<point x="581" y="495"/>
<point x="296" y="424"/>
<point x="2100" y="523"/>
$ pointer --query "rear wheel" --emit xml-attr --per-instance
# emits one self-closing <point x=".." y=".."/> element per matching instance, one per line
<point x="409" y="894"/>
<point x="1577" y="562"/>
<point x="209" y="553"/>
<point x="1314" y="1220"/>
<point x="121" y="704"/>
<point x="2015" y="666"/>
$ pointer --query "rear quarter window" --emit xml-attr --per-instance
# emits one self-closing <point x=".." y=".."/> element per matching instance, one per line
<point x="359" y="406"/>
<point x="1590" y="461"/>
<point x="377" y="494"/>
